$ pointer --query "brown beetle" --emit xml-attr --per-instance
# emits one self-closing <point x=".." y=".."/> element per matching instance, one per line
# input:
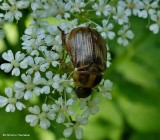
<point x="88" y="54"/>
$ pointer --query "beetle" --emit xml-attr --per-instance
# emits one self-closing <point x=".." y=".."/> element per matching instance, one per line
<point x="88" y="53"/>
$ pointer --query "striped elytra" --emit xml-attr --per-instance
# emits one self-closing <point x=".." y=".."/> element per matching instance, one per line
<point x="86" y="46"/>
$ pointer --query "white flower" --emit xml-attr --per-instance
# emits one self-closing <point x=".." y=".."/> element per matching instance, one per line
<point x="120" y="16"/>
<point x="42" y="117"/>
<point x="125" y="34"/>
<point x="155" y="26"/>
<point x="61" y="84"/>
<point x="76" y="5"/>
<point x="106" y="30"/>
<point x="90" y="106"/>
<point x="34" y="33"/>
<point x="32" y="40"/>
<point x="14" y="62"/>
<point x="79" y="120"/>
<point x="36" y="64"/>
<point x="62" y="10"/>
<point x="11" y="9"/>
<point x="62" y="107"/>
<point x="51" y="58"/>
<point x="11" y="101"/>
<point x="105" y="88"/>
<point x="53" y="40"/>
<point x="30" y="85"/>
<point x="149" y="8"/>
<point x="131" y="6"/>
<point x="102" y="8"/>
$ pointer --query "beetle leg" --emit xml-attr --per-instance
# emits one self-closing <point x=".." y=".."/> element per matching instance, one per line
<point x="63" y="38"/>
<point x="62" y="63"/>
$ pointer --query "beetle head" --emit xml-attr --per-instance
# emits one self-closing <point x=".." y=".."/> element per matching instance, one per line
<point x="83" y="92"/>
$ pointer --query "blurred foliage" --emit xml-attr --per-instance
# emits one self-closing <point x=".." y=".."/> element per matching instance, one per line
<point x="134" y="111"/>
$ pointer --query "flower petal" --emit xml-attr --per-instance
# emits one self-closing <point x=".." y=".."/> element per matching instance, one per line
<point x="26" y="78"/>
<point x="10" y="108"/>
<point x="19" y="95"/>
<point x="45" y="89"/>
<point x="8" y="92"/>
<point x="154" y="28"/>
<point x="79" y="133"/>
<point x="51" y="115"/>
<point x="19" y="87"/>
<point x="68" y="131"/>
<point x="3" y="101"/>
<point x="8" y="56"/>
<point x="6" y="67"/>
<point x="19" y="56"/>
<point x="60" y="118"/>
<point x="32" y="119"/>
<point x="45" y="107"/>
<point x="20" y="105"/>
<point x="16" y="72"/>
<point x="34" y="110"/>
<point x="44" y="123"/>
<point x="28" y="95"/>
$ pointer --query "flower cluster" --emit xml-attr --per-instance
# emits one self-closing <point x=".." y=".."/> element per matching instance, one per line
<point x="44" y="66"/>
<point x="143" y="9"/>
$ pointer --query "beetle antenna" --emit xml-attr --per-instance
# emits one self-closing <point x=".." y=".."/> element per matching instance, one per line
<point x="63" y="38"/>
